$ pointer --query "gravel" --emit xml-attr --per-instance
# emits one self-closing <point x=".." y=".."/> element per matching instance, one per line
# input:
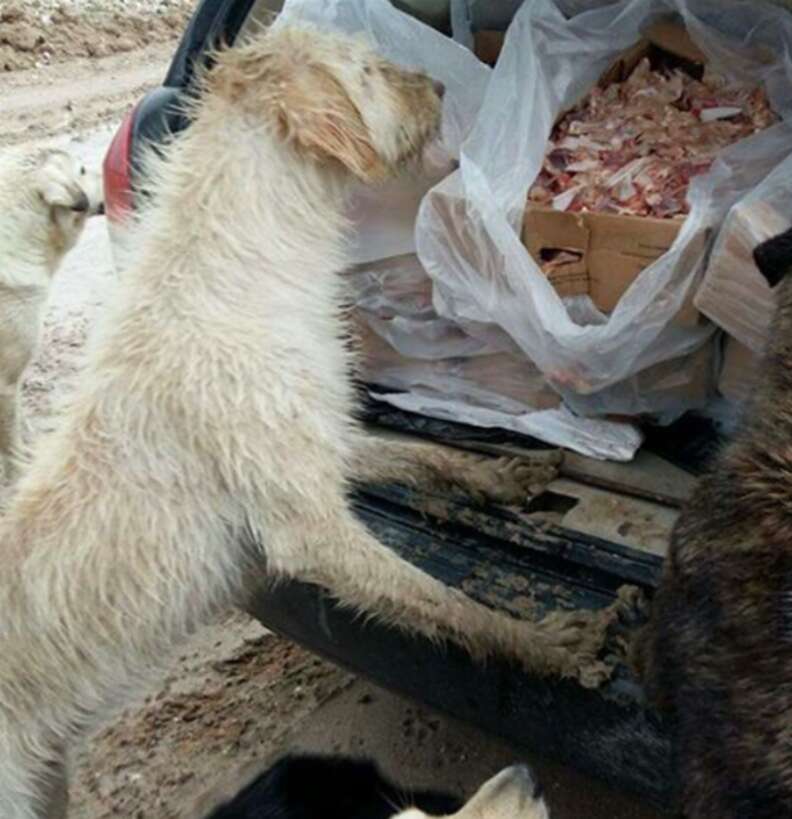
<point x="36" y="33"/>
<point x="43" y="9"/>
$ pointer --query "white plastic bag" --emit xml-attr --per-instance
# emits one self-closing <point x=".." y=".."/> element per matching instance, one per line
<point x="487" y="294"/>
<point x="444" y="372"/>
<point x="468" y="227"/>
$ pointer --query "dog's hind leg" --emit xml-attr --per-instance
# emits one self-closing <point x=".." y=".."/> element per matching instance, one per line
<point x="365" y="575"/>
<point x="505" y="479"/>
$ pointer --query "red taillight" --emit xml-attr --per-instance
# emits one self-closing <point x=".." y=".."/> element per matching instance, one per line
<point x="117" y="172"/>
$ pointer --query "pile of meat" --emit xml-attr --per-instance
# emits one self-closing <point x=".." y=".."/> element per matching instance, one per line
<point x="633" y="147"/>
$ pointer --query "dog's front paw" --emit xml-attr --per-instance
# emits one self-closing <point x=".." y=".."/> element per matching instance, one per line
<point x="580" y="643"/>
<point x="524" y="477"/>
<point x="512" y="479"/>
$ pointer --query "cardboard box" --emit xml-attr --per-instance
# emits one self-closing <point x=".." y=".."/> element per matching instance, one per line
<point x="666" y="34"/>
<point x="487" y="45"/>
<point x="504" y="381"/>
<point x="604" y="253"/>
<point x="738" y="373"/>
<point x="613" y="250"/>
<point x="672" y="37"/>
<point x="733" y="293"/>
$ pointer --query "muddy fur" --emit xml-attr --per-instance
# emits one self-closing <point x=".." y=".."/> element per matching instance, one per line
<point x="717" y="654"/>
<point x="213" y="435"/>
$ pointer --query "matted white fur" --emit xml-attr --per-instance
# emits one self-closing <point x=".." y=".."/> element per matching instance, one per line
<point x="212" y="436"/>
<point x="45" y="198"/>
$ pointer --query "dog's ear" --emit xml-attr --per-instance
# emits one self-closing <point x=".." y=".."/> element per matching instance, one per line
<point x="303" y="102"/>
<point x="316" y="115"/>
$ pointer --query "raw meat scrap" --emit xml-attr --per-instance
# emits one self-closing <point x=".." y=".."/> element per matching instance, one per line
<point x="633" y="147"/>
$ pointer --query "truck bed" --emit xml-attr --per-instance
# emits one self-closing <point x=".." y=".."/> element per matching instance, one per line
<point x="597" y="527"/>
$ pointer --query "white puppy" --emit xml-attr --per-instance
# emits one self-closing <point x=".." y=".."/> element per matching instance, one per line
<point x="46" y="195"/>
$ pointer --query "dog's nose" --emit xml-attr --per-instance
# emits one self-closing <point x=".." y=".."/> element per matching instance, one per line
<point x="100" y="210"/>
<point x="81" y="203"/>
<point x="439" y="88"/>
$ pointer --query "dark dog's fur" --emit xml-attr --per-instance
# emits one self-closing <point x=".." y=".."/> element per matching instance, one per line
<point x="718" y="650"/>
<point x="317" y="787"/>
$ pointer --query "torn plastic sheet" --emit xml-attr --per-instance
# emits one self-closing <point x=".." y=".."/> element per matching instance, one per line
<point x="500" y="389"/>
<point x="594" y="437"/>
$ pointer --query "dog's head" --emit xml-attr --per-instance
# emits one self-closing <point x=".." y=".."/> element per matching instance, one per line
<point x="511" y="794"/>
<point x="332" y="98"/>
<point x="68" y="194"/>
<point x="64" y="184"/>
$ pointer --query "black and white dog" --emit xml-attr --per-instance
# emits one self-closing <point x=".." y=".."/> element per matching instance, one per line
<point x="317" y="787"/>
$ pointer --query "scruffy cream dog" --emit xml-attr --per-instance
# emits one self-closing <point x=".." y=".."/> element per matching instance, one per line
<point x="212" y="437"/>
<point x="45" y="199"/>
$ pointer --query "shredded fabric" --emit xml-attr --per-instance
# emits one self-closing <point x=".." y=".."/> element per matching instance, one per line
<point x="633" y="147"/>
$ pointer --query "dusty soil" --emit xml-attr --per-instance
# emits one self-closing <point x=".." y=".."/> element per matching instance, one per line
<point x="37" y="34"/>
<point x="73" y="97"/>
<point x="234" y="696"/>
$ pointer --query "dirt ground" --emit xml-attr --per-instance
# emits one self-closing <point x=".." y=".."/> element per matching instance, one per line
<point x="68" y="73"/>
<point x="34" y="34"/>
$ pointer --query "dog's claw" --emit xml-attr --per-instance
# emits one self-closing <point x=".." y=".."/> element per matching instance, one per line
<point x="515" y="479"/>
